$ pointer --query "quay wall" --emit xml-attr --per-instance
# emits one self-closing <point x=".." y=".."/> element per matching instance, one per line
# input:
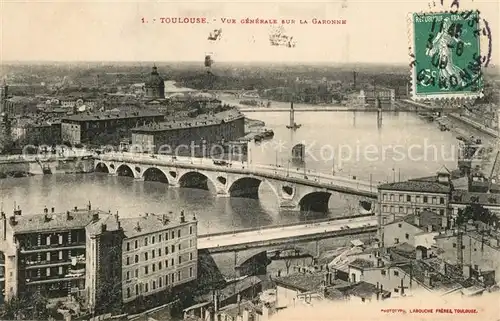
<point x="28" y="167"/>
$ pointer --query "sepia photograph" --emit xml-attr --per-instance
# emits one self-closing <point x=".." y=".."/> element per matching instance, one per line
<point x="207" y="160"/>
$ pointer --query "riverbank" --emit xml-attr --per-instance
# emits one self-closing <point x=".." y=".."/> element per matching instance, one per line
<point x="475" y="125"/>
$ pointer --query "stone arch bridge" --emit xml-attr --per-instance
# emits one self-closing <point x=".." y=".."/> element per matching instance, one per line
<point x="294" y="190"/>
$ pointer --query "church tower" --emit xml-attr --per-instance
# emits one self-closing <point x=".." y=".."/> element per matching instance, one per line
<point x="155" y="85"/>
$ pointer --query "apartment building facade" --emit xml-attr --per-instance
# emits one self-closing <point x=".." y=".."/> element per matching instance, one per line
<point x="158" y="254"/>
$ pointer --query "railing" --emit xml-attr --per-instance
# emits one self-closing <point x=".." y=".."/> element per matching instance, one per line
<point x="250" y="229"/>
<point x="50" y="247"/>
<point x="296" y="176"/>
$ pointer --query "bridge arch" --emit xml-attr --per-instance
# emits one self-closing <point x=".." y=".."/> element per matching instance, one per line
<point x="316" y="201"/>
<point x="101" y="167"/>
<point x="155" y="174"/>
<point x="195" y="179"/>
<point x="248" y="187"/>
<point x="125" y="170"/>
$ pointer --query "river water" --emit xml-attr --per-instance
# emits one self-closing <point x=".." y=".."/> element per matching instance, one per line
<point x="335" y="130"/>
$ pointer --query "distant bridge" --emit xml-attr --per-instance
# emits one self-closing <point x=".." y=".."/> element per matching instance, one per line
<point x="295" y="190"/>
<point x="288" y="234"/>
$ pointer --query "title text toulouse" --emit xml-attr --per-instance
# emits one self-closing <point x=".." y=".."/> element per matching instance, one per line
<point x="271" y="21"/>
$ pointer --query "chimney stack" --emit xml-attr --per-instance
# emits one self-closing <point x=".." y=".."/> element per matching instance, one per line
<point x="53" y="210"/>
<point x="76" y="208"/>
<point x="183" y="218"/>
<point x="45" y="210"/>
<point x="18" y="211"/>
<point x="88" y="206"/>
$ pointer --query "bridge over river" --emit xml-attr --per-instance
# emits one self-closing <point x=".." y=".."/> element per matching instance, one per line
<point x="287" y="234"/>
<point x="294" y="189"/>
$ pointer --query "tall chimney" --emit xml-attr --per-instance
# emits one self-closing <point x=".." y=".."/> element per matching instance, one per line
<point x="183" y="218"/>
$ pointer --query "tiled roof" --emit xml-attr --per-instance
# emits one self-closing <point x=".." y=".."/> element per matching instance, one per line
<point x="55" y="221"/>
<point x="112" y="115"/>
<point x="149" y="223"/>
<point x="363" y="290"/>
<point x="417" y="186"/>
<point x="418" y="269"/>
<point x="361" y="263"/>
<point x="426" y="218"/>
<point x="236" y="309"/>
<point x="306" y="281"/>
<point x="201" y="121"/>
<point x="465" y="197"/>
<point x="232" y="289"/>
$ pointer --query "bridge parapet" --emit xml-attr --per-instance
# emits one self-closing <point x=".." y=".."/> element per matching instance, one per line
<point x="294" y="189"/>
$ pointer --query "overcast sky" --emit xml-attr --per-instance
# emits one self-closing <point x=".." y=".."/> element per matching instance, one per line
<point x="376" y="30"/>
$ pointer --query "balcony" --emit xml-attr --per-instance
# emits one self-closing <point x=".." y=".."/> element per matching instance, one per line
<point x="51" y="247"/>
<point x="57" y="278"/>
<point x="46" y="263"/>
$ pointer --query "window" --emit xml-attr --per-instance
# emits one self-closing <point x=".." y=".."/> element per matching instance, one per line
<point x="178" y="275"/>
<point x="401" y="209"/>
<point x="454" y="245"/>
<point x="166" y="236"/>
<point x="190" y="243"/>
<point x="401" y="198"/>
<point x="441" y="212"/>
<point x="173" y="234"/>
<point x="190" y="256"/>
<point x="152" y="240"/>
<point x="136" y="273"/>
<point x="128" y="246"/>
<point x="136" y="244"/>
<point x="392" y="197"/>
<point x="166" y="250"/>
<point x="146" y="256"/>
<point x="154" y="267"/>
<point x="153" y="254"/>
<point x="146" y="241"/>
<point x="128" y="292"/>
<point x="159" y="252"/>
<point x="407" y="236"/>
<point x="396" y="240"/>
<point x="128" y="275"/>
<point x="159" y="265"/>
<point x="173" y="248"/>
<point x="382" y="272"/>
<point x="399" y="225"/>
<point x="180" y="259"/>
<point x="441" y="200"/>
<point x="154" y="285"/>
<point x="396" y="290"/>
<point x="166" y="263"/>
<point x="408" y="198"/>
<point x="190" y="272"/>
<point x="137" y="259"/>
<point x="396" y="273"/>
<point x="159" y="282"/>
<point x="172" y="278"/>
<point x="190" y="230"/>
<point x="172" y="262"/>
<point x="178" y="233"/>
<point x="418" y="199"/>
<point x="146" y="269"/>
<point x="179" y="246"/>
<point x="146" y="287"/>
<point x="137" y="289"/>
<point x="434" y="200"/>
<point x="425" y="199"/>
<point x="159" y="238"/>
<point x="128" y="260"/>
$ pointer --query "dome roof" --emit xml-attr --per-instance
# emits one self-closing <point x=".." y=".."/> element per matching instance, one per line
<point x="155" y="79"/>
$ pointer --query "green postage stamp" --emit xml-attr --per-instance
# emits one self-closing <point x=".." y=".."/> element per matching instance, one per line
<point x="447" y="58"/>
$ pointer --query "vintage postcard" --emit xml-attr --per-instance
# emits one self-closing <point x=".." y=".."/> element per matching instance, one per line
<point x="249" y="160"/>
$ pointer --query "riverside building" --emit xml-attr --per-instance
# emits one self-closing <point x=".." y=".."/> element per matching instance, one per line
<point x="105" y="260"/>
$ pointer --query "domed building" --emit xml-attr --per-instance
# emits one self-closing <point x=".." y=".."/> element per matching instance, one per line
<point x="154" y="86"/>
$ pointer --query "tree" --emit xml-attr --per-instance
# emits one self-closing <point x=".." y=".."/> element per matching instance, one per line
<point x="477" y="212"/>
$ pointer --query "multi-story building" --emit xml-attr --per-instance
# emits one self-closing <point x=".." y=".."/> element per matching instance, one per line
<point x="105" y="260"/>
<point x="480" y="250"/>
<point x="460" y="199"/>
<point x="46" y="253"/>
<point x="88" y="127"/>
<point x="36" y="133"/>
<point x="396" y="200"/>
<point x="157" y="254"/>
<point x="197" y="135"/>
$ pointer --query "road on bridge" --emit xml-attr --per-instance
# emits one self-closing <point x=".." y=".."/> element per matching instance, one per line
<point x="286" y="174"/>
<point x="249" y="237"/>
